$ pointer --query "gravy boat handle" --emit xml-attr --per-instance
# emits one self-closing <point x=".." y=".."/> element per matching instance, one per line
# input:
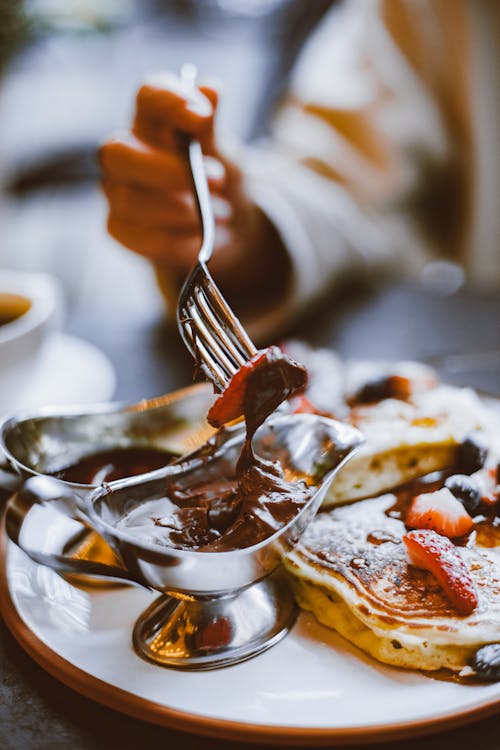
<point x="45" y="493"/>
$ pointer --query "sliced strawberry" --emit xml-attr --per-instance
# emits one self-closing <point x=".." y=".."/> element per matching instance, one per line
<point x="230" y="403"/>
<point x="439" y="556"/>
<point x="440" y="511"/>
<point x="274" y="377"/>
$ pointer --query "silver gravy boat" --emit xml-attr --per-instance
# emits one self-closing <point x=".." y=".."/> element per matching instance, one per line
<point x="44" y="441"/>
<point x="215" y="608"/>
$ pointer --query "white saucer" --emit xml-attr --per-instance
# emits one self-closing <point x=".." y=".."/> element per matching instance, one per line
<point x="69" y="371"/>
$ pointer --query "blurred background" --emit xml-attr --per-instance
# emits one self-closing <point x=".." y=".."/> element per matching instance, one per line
<point x="69" y="70"/>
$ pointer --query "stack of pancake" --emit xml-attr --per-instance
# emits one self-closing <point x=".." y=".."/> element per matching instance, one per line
<point x="351" y="568"/>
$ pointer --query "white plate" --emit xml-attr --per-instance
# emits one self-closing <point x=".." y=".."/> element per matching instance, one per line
<point x="310" y="687"/>
<point x="69" y="371"/>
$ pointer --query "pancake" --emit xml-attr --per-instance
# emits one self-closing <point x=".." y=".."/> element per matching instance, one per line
<point x="406" y="440"/>
<point x="406" y="437"/>
<point x="350" y="570"/>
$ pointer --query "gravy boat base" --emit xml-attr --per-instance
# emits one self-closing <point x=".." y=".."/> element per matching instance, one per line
<point x="195" y="634"/>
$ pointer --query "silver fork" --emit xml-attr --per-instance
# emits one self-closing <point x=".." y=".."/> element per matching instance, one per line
<point x="211" y="331"/>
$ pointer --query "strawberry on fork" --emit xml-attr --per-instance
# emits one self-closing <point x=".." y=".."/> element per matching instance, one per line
<point x="279" y="377"/>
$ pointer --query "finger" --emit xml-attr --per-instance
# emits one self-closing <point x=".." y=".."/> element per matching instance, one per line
<point x="212" y="91"/>
<point x="159" y="134"/>
<point x="155" y="133"/>
<point x="152" y="208"/>
<point x="167" y="94"/>
<point x="166" y="106"/>
<point x="134" y="162"/>
<point x="177" y="252"/>
<point x="171" y="212"/>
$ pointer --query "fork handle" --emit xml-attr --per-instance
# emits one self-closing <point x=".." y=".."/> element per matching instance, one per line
<point x="188" y="75"/>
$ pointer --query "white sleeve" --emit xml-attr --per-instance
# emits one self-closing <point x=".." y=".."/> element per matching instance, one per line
<point x="339" y="209"/>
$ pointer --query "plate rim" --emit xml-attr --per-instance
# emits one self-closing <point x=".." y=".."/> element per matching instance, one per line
<point x="128" y="703"/>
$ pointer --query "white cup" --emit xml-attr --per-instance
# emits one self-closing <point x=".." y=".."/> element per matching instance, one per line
<point x="29" y="311"/>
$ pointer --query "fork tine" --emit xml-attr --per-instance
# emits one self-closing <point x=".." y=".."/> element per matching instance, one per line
<point x="211" y="341"/>
<point x="211" y="331"/>
<point x="211" y="367"/>
<point x="227" y="317"/>
<point x="204" y="357"/>
<point x="205" y="307"/>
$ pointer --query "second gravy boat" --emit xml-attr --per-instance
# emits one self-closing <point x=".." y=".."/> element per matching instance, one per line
<point x="43" y="442"/>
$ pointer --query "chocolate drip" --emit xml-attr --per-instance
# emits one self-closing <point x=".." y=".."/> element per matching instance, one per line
<point x="245" y="506"/>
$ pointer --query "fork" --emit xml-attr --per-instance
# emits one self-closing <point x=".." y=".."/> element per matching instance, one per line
<point x="209" y="328"/>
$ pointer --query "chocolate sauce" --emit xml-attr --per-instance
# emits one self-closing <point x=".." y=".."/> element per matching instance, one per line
<point x="115" y="463"/>
<point x="447" y="675"/>
<point x="266" y="501"/>
<point x="226" y="513"/>
<point x="240" y="506"/>
<point x="406" y="492"/>
<point x="266" y="388"/>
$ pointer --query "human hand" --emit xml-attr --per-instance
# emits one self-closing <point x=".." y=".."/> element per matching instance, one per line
<point x="151" y="206"/>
